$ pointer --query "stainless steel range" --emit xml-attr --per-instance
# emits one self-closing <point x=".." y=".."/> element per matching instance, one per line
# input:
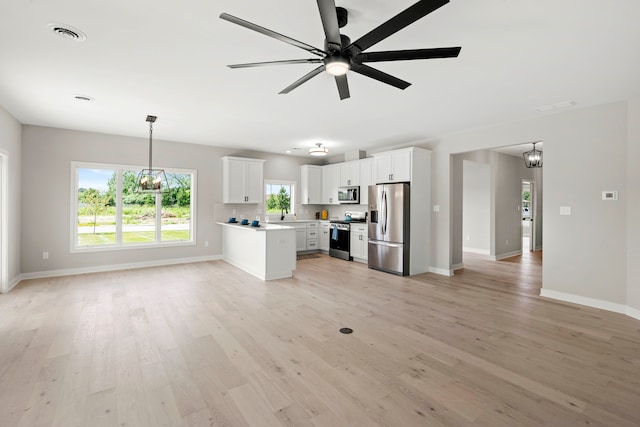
<point x="340" y="237"/>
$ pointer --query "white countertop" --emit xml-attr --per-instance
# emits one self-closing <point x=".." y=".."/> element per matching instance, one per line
<point x="263" y="226"/>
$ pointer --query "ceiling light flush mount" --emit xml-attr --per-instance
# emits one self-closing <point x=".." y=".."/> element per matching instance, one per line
<point x="533" y="158"/>
<point x="67" y="31"/>
<point x="318" y="150"/>
<point x="152" y="180"/>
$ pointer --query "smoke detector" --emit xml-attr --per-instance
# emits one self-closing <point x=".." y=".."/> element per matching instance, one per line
<point x="67" y="31"/>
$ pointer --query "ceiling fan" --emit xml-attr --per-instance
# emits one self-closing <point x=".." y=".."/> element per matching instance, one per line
<point x="341" y="55"/>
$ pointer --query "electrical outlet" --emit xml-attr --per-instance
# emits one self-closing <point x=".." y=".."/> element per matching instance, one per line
<point x="206" y="243"/>
<point x="468" y="237"/>
<point x="507" y="243"/>
<point x="45" y="255"/>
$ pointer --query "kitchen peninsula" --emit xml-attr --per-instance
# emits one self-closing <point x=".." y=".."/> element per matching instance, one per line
<point x="267" y="252"/>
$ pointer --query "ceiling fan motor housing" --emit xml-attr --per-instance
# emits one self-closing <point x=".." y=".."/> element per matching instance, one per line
<point x="343" y="16"/>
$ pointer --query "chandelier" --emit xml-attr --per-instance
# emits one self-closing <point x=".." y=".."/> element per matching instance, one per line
<point x="533" y="158"/>
<point x="152" y="180"/>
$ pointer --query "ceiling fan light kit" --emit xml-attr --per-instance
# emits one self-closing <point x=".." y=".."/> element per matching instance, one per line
<point x="336" y="65"/>
<point x="340" y="55"/>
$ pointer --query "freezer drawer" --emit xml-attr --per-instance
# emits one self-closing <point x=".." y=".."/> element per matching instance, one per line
<point x="389" y="257"/>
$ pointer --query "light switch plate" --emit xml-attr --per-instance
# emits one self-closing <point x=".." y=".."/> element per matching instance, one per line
<point x="436" y="208"/>
<point x="610" y="195"/>
<point x="565" y="210"/>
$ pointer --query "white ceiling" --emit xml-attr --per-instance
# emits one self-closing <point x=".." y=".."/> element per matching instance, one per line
<point x="168" y="58"/>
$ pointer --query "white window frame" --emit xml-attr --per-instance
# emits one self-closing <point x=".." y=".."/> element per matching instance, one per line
<point x="293" y="185"/>
<point x="119" y="246"/>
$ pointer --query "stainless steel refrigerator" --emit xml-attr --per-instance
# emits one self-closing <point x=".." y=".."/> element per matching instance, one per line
<point x="389" y="227"/>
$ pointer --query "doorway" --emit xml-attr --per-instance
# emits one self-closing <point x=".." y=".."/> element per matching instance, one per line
<point x="528" y="216"/>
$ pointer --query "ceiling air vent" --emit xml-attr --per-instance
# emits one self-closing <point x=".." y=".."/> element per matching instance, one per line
<point x="67" y="31"/>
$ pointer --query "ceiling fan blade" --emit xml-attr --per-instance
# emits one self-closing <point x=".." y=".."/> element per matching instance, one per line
<point x="330" y="23"/>
<point x="343" y="87"/>
<point x="383" y="77"/>
<point x="405" y="55"/>
<point x="273" y="34"/>
<point x="303" y="79"/>
<point x="286" y="62"/>
<point x="398" y="22"/>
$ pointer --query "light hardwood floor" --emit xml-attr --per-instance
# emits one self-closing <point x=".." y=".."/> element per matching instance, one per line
<point x="206" y="344"/>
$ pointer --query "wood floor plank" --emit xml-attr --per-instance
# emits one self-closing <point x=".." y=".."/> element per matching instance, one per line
<point x="207" y="344"/>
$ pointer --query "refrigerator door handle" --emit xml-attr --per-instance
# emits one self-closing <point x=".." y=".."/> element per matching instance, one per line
<point x="384" y="212"/>
<point x="381" y="243"/>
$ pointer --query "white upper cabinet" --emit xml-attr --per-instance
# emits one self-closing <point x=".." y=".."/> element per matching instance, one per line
<point x="242" y="180"/>
<point x="392" y="166"/>
<point x="330" y="184"/>
<point x="350" y="173"/>
<point x="311" y="184"/>
<point x="366" y="179"/>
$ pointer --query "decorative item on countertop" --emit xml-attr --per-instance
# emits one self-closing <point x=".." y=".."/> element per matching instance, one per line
<point x="325" y="214"/>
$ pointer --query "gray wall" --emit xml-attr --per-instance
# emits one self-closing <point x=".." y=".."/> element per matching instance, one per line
<point x="633" y="205"/>
<point x="47" y="157"/>
<point x="586" y="152"/>
<point x="11" y="146"/>
<point x="476" y="202"/>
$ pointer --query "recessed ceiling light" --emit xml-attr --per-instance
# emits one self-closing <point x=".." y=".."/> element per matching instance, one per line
<point x="556" y="106"/>
<point x="67" y="31"/>
<point x="83" y="98"/>
<point x="288" y="151"/>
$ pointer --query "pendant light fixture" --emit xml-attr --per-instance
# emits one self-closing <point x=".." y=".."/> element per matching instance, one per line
<point x="533" y="158"/>
<point x="152" y="180"/>
<point x="318" y="150"/>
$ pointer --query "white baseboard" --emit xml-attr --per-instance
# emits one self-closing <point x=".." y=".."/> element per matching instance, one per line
<point x="476" y="251"/>
<point x="13" y="282"/>
<point x="441" y="271"/>
<point x="632" y="312"/>
<point x="115" y="267"/>
<point x="591" y="302"/>
<point x="505" y="255"/>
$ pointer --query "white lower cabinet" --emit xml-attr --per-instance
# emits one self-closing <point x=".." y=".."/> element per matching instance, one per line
<point x="301" y="235"/>
<point x="359" y="243"/>
<point x="324" y="236"/>
<point x="312" y="236"/>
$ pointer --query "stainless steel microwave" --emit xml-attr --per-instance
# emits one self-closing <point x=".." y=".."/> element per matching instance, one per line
<point x="349" y="195"/>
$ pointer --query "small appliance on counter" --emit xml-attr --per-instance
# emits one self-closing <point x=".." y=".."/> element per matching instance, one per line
<point x="340" y="237"/>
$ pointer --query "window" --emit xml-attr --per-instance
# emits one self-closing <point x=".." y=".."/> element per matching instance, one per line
<point x="279" y="197"/>
<point x="108" y="213"/>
